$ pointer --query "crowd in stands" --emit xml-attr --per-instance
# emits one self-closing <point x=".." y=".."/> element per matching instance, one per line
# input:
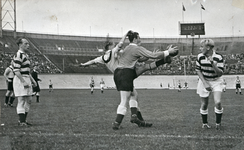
<point x="36" y="60"/>
<point x="180" y="65"/>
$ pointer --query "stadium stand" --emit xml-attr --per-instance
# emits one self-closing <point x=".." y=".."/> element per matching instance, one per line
<point x="62" y="54"/>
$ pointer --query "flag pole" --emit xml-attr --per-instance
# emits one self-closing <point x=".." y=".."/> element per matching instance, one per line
<point x="182" y="15"/>
<point x="201" y="12"/>
<point x="183" y="9"/>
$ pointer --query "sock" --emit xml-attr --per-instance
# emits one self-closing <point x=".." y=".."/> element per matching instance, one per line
<point x="119" y="118"/>
<point x="204" y="119"/>
<point x="218" y="118"/>
<point x="37" y="98"/>
<point x="139" y="116"/>
<point x="133" y="110"/>
<point x="26" y="113"/>
<point x="6" y="99"/>
<point x="218" y="114"/>
<point x="204" y="114"/>
<point x="22" y="117"/>
<point x="11" y="100"/>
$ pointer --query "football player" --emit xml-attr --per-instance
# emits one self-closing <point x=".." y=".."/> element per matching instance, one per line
<point x="125" y="73"/>
<point x="210" y="67"/>
<point x="238" y="85"/>
<point x="50" y="86"/>
<point x="9" y="75"/>
<point x="92" y="84"/>
<point x="36" y="89"/>
<point x="23" y="81"/>
<point x="179" y="86"/>
<point x="102" y="85"/>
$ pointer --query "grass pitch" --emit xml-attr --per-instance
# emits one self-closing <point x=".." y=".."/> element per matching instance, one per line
<point x="77" y="120"/>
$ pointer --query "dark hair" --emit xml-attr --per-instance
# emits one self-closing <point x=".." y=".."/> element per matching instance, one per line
<point x="107" y="44"/>
<point x="132" y="35"/>
<point x="19" y="41"/>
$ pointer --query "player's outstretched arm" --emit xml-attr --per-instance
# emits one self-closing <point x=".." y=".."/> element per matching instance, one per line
<point x="88" y="63"/>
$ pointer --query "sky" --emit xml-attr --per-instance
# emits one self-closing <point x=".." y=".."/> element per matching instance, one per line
<point x="151" y="18"/>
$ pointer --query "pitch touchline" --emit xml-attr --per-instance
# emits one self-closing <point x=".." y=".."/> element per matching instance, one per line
<point x="128" y="135"/>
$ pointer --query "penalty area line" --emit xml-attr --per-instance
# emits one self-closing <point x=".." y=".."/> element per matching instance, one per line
<point x="127" y="135"/>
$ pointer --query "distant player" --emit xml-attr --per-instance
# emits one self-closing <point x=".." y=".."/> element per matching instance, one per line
<point x="36" y="89"/>
<point x="186" y="85"/>
<point x="168" y="86"/>
<point x="210" y="67"/>
<point x="9" y="75"/>
<point x="238" y="85"/>
<point x="102" y="85"/>
<point x="225" y="84"/>
<point x="50" y="86"/>
<point x="92" y="84"/>
<point x="179" y="86"/>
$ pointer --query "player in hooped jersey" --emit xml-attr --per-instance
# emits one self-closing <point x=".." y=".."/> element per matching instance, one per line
<point x="111" y="60"/>
<point x="23" y="81"/>
<point x="210" y="67"/>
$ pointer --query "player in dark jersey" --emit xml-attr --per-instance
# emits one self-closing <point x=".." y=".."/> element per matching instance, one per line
<point x="179" y="86"/>
<point x="186" y="85"/>
<point x="36" y="89"/>
<point x="92" y="85"/>
<point x="210" y="67"/>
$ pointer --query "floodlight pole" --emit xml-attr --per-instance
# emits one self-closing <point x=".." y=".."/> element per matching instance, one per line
<point x="15" y="35"/>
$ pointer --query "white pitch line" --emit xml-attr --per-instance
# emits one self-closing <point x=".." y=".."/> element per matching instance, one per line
<point x="129" y="135"/>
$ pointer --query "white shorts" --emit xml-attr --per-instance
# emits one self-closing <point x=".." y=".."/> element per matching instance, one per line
<point x="102" y="85"/>
<point x="19" y="89"/>
<point x="216" y="85"/>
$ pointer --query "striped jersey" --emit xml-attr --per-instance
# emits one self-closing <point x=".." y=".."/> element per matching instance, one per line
<point x="109" y="59"/>
<point x="238" y="81"/>
<point x="205" y="66"/>
<point x="21" y="62"/>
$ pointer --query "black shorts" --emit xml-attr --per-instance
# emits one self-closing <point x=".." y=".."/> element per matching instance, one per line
<point x="124" y="78"/>
<point x="10" y="86"/>
<point x="36" y="88"/>
<point x="238" y="86"/>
